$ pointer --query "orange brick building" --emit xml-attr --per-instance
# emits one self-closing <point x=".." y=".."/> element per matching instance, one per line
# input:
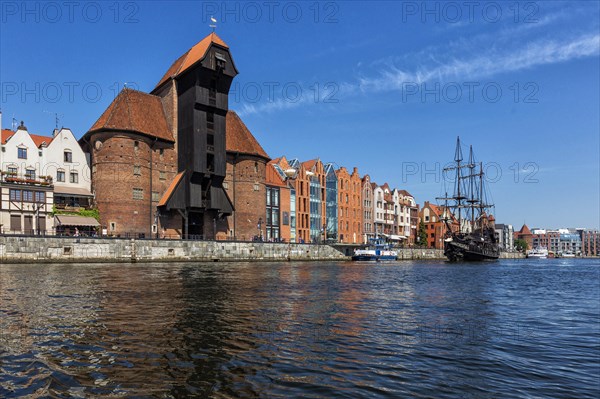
<point x="433" y="216"/>
<point x="525" y="234"/>
<point x="350" y="218"/>
<point x="278" y="202"/>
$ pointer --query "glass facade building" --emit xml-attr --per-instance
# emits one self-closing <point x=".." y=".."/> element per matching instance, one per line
<point x="316" y="228"/>
<point x="292" y="215"/>
<point x="331" y="205"/>
<point x="272" y="216"/>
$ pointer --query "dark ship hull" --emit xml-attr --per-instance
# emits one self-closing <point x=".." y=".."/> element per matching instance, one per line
<point x="470" y="250"/>
<point x="471" y="235"/>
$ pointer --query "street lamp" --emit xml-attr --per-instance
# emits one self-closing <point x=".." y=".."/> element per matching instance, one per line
<point x="260" y="229"/>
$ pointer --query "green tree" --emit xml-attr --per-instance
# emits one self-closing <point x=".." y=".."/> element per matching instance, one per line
<point x="422" y="240"/>
<point x="521" y="244"/>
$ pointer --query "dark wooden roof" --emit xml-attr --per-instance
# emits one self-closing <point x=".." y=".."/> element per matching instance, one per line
<point x="239" y="139"/>
<point x="191" y="57"/>
<point x="135" y="111"/>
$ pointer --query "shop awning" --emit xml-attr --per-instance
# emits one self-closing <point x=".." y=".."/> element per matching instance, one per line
<point x="74" y="220"/>
<point x="394" y="237"/>
<point x="72" y="191"/>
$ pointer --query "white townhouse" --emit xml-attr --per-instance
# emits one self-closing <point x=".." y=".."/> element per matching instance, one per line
<point x="38" y="173"/>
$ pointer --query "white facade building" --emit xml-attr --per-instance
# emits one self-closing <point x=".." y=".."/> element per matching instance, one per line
<point x="37" y="174"/>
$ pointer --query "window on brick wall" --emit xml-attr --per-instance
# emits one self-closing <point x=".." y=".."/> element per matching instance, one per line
<point x="138" y="194"/>
<point x="137" y="170"/>
<point x="162" y="175"/>
<point x="155" y="196"/>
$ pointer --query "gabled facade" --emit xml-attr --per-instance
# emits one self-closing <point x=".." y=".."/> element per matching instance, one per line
<point x="67" y="164"/>
<point x="368" y="208"/>
<point x="26" y="193"/>
<point x="278" y="203"/>
<point x="434" y="218"/>
<point x="350" y="206"/>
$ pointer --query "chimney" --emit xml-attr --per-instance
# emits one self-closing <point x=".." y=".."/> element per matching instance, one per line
<point x="54" y="132"/>
<point x="355" y="170"/>
<point x="22" y="127"/>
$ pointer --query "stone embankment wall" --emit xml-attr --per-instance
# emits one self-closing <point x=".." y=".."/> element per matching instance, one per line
<point x="512" y="255"/>
<point x="416" y="253"/>
<point x="69" y="249"/>
<point x="61" y="250"/>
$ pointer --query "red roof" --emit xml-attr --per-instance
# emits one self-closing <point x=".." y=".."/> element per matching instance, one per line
<point x="525" y="230"/>
<point x="167" y="195"/>
<point x="239" y="139"/>
<point x="191" y="57"/>
<point x="6" y="134"/>
<point x="37" y="140"/>
<point x="135" y="111"/>
<point x="309" y="164"/>
<point x="405" y="193"/>
<point x="273" y="178"/>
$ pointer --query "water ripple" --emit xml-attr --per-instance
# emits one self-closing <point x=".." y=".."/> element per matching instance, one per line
<point x="315" y="330"/>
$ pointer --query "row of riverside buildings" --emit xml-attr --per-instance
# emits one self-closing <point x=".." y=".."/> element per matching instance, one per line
<point x="177" y="163"/>
<point x="568" y="240"/>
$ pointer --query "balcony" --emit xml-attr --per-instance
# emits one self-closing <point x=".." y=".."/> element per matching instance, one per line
<point x="10" y="177"/>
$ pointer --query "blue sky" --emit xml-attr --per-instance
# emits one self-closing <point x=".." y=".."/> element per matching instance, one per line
<point x="384" y="86"/>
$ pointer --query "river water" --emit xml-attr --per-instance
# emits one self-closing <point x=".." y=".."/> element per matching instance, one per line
<point x="514" y="328"/>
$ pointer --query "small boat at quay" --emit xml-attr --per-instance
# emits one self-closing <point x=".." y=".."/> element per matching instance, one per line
<point x="567" y="254"/>
<point x="539" y="252"/>
<point x="377" y="251"/>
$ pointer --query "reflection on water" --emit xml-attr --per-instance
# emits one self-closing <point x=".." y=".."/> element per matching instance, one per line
<point x="428" y="329"/>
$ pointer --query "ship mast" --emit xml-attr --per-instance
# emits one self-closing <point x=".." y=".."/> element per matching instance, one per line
<point x="472" y="189"/>
<point x="481" y="192"/>
<point x="457" y="159"/>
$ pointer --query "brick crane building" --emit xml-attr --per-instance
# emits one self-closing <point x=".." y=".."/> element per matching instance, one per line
<point x="159" y="160"/>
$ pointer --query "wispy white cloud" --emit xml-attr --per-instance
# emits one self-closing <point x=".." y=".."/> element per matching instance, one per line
<point x="461" y="60"/>
<point x="491" y="63"/>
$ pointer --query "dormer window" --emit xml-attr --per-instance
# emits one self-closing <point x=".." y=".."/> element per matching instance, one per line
<point x="68" y="156"/>
<point x="22" y="153"/>
<point x="220" y="60"/>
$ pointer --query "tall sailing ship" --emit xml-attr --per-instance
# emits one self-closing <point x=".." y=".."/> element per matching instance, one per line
<point x="470" y="233"/>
